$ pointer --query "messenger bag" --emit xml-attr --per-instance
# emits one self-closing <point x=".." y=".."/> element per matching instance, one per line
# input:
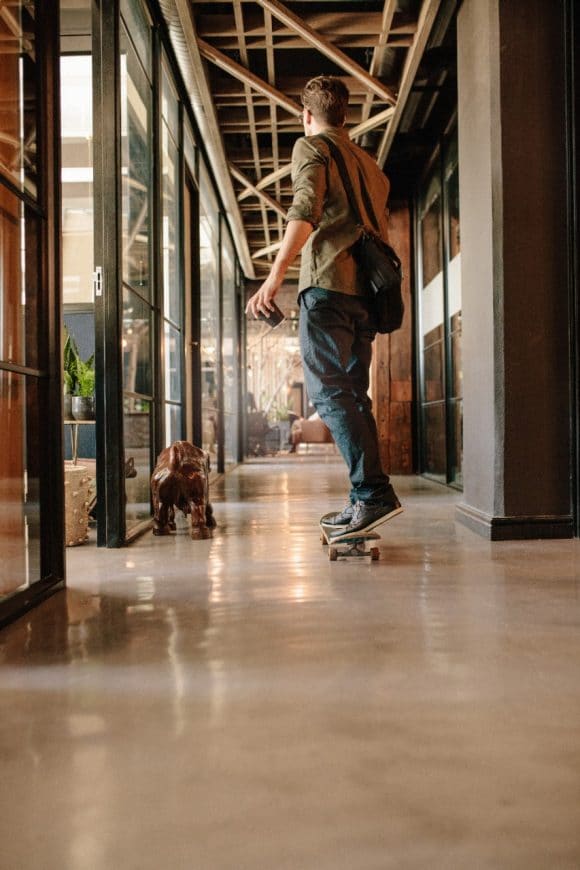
<point x="377" y="260"/>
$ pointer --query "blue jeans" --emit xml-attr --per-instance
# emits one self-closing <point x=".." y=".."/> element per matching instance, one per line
<point x="336" y="334"/>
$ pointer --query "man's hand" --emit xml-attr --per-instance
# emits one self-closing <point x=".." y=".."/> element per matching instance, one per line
<point x="262" y="299"/>
<point x="295" y="237"/>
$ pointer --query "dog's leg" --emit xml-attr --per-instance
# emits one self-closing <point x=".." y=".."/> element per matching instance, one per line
<point x="156" y="510"/>
<point x="209" y="517"/>
<point x="161" y="526"/>
<point x="199" y="527"/>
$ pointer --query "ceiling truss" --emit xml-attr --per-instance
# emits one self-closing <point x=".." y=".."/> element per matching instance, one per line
<point x="259" y="55"/>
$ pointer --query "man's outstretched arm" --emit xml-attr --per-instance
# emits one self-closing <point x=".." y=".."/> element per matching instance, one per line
<point x="295" y="237"/>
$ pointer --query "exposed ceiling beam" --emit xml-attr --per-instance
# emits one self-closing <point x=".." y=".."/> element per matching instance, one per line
<point x="239" y="19"/>
<point x="298" y="25"/>
<point x="367" y="125"/>
<point x="339" y="23"/>
<point x="427" y="16"/>
<point x="293" y="42"/>
<point x="290" y="82"/>
<point x="178" y="14"/>
<point x="371" y="123"/>
<point x="264" y="252"/>
<point x="245" y="75"/>
<point x="387" y="21"/>
<point x="271" y="65"/>
<point x="265" y="197"/>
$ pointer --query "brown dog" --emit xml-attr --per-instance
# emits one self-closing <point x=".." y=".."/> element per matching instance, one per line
<point x="181" y="480"/>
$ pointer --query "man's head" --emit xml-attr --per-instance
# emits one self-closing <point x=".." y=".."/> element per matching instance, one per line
<point x="325" y="99"/>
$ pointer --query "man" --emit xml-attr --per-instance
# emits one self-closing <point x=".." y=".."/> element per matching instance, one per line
<point x="336" y="317"/>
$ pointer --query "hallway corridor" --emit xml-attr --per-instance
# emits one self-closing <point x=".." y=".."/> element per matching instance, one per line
<point x="244" y="704"/>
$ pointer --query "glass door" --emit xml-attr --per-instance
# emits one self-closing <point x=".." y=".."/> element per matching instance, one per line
<point x="230" y="349"/>
<point x="76" y="137"/>
<point x="439" y="320"/>
<point x="192" y="300"/>
<point x="136" y="66"/>
<point x="31" y="461"/>
<point x="453" y="294"/>
<point x="173" y="301"/>
<point x="126" y="303"/>
<point x="209" y="267"/>
<point x="432" y="330"/>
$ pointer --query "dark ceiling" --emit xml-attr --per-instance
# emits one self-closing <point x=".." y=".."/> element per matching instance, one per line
<point x="395" y="56"/>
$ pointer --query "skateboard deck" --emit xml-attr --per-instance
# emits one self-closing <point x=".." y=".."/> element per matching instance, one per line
<point x="352" y="545"/>
<point x="349" y="546"/>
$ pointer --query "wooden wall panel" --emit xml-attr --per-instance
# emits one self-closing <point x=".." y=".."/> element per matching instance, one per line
<point x="392" y="371"/>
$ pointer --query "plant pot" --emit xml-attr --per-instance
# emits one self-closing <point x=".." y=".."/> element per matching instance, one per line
<point x="83" y="407"/>
<point x="68" y="414"/>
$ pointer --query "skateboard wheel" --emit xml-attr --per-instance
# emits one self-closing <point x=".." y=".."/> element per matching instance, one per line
<point x="333" y="554"/>
<point x="375" y="554"/>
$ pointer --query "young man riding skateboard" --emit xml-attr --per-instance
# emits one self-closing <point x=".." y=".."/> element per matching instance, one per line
<point x="336" y="317"/>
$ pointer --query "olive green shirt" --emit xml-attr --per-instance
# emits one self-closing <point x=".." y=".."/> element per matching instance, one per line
<point x="320" y="199"/>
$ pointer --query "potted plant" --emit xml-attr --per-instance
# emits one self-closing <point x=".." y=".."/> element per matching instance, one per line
<point x="70" y="357"/>
<point x="83" y="401"/>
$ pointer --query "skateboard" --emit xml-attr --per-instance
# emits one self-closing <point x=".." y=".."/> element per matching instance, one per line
<point x="352" y="546"/>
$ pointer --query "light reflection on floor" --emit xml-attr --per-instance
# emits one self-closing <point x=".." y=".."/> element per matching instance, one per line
<point x="242" y="702"/>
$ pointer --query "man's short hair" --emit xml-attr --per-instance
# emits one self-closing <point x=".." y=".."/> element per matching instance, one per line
<point x="327" y="98"/>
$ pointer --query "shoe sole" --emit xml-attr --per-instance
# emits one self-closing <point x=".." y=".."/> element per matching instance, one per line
<point x="384" y="519"/>
<point x="334" y="525"/>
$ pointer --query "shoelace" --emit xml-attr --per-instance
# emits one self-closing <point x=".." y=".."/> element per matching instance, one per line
<point x="357" y="511"/>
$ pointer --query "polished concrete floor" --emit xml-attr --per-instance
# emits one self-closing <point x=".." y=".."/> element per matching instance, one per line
<point x="244" y="704"/>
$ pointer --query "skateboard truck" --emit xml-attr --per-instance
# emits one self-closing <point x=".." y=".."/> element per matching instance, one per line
<point x="350" y="546"/>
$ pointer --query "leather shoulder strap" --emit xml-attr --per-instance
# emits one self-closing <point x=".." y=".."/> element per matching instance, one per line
<point x="345" y="178"/>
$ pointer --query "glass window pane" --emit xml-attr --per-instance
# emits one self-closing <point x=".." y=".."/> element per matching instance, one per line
<point x="431" y="242"/>
<point x="434" y="445"/>
<point x="19" y="283"/>
<point x="433" y="373"/>
<point x="18" y="78"/>
<point x="456" y="362"/>
<point x="19" y="482"/>
<point x="454" y="266"/>
<point x="169" y="105"/>
<point x="456" y="470"/>
<point x="138" y="25"/>
<point x="136" y="169"/>
<point x="452" y="184"/>
<point x="189" y="149"/>
<point x="230" y="349"/>
<point x="440" y="296"/>
<point x="275" y="381"/>
<point x="137" y="375"/>
<point x="171" y="284"/>
<point x="172" y="363"/>
<point x="209" y="280"/>
<point x="430" y="230"/>
<point x="454" y="307"/>
<point x="137" y="434"/>
<point x="77" y="178"/>
<point x="172" y="424"/>
<point x="431" y="298"/>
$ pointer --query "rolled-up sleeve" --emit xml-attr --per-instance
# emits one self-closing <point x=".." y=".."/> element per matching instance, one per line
<point x="308" y="183"/>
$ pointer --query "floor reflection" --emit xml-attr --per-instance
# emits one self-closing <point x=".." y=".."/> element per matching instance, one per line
<point x="243" y="702"/>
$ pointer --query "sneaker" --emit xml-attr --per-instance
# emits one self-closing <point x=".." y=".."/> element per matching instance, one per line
<point x="341" y="519"/>
<point x="365" y="517"/>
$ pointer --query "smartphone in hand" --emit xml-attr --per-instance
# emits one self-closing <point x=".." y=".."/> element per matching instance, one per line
<point x="273" y="318"/>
